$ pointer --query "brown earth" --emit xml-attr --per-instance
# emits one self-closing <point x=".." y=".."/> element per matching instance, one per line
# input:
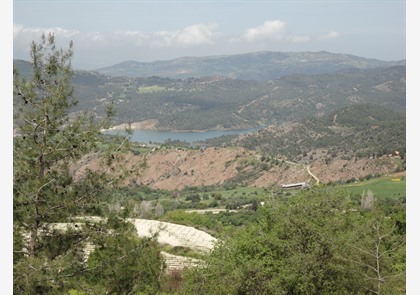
<point x="143" y="125"/>
<point x="174" y="169"/>
<point x="342" y="170"/>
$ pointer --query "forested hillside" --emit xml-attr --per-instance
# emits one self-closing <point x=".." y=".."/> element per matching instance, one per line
<point x="218" y="102"/>
<point x="303" y="96"/>
<point x="358" y="131"/>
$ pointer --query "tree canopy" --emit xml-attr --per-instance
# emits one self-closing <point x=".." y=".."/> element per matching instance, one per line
<point x="316" y="242"/>
<point x="49" y="201"/>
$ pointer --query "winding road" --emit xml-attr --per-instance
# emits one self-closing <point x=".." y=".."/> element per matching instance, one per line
<point x="307" y="169"/>
<point x="313" y="175"/>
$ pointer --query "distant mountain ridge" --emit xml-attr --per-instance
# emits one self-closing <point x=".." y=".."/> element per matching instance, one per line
<point x="259" y="66"/>
<point x="223" y="103"/>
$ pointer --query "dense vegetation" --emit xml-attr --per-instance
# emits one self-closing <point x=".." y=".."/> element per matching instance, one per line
<point x="220" y="102"/>
<point x="313" y="243"/>
<point x="217" y="102"/>
<point x="363" y="130"/>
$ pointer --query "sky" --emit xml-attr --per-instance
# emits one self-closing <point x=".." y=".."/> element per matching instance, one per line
<point x="109" y="32"/>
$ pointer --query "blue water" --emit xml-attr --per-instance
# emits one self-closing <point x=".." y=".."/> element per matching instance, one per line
<point x="147" y="136"/>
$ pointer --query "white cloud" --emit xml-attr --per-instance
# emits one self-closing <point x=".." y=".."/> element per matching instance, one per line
<point x="199" y="34"/>
<point x="118" y="39"/>
<point x="23" y="37"/>
<point x="194" y="35"/>
<point x="95" y="37"/>
<point x="161" y="39"/>
<point x="270" y="30"/>
<point x="57" y="31"/>
<point x="190" y="36"/>
<point x="330" y="35"/>
<point x="17" y="29"/>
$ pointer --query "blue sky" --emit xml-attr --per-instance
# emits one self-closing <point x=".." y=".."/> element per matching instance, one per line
<point x="109" y="32"/>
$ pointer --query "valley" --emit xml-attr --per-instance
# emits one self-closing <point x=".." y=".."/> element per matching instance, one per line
<point x="251" y="168"/>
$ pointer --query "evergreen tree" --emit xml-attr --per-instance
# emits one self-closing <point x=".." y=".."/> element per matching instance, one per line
<point x="49" y="257"/>
<point x="122" y="263"/>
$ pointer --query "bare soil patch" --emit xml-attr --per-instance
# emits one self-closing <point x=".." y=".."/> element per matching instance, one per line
<point x="142" y="125"/>
<point x="174" y="169"/>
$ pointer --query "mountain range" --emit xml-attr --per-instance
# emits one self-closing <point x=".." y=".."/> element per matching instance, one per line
<point x="259" y="66"/>
<point x="222" y="102"/>
<point x="315" y="105"/>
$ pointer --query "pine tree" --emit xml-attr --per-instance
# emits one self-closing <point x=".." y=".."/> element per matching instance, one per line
<point x="48" y="144"/>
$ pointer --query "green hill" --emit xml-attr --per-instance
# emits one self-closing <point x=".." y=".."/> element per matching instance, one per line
<point x="363" y="130"/>
<point x="260" y="66"/>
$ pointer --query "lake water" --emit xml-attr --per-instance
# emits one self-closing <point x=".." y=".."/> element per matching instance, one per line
<point x="146" y="136"/>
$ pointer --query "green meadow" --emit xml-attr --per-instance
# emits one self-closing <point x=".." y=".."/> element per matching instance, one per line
<point x="150" y="89"/>
<point x="382" y="187"/>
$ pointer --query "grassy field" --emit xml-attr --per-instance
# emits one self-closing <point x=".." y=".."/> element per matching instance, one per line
<point x="383" y="187"/>
<point x="150" y="89"/>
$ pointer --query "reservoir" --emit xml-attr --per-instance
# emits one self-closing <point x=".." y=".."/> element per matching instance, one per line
<point x="146" y="136"/>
